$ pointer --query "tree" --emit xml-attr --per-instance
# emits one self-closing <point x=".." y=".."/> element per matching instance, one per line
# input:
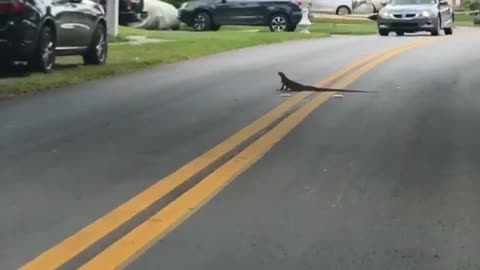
<point x="175" y="3"/>
<point x="471" y="4"/>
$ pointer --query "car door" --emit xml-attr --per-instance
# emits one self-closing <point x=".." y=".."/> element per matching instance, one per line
<point x="63" y="14"/>
<point x="237" y="12"/>
<point x="222" y="11"/>
<point x="251" y="12"/>
<point x="322" y="6"/>
<point x="446" y="13"/>
<point x="82" y="22"/>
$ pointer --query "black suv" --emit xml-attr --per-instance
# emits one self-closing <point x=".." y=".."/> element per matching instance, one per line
<point x="203" y="15"/>
<point x="37" y="31"/>
<point x="129" y="11"/>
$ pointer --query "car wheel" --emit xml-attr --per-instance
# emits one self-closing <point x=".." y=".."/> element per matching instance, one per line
<point x="342" y="10"/>
<point x="216" y="27"/>
<point x="383" y="32"/>
<point x="97" y="52"/>
<point x="279" y="23"/>
<point x="436" y="32"/>
<point x="399" y="33"/>
<point x="202" y="22"/>
<point x="44" y="56"/>
<point x="449" y="30"/>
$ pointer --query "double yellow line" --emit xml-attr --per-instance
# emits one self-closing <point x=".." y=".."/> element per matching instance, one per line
<point x="130" y="246"/>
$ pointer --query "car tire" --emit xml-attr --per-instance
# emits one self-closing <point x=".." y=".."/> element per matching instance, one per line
<point x="97" y="52"/>
<point x="342" y="10"/>
<point x="216" y="27"/>
<point x="383" y="32"/>
<point x="436" y="32"/>
<point x="399" y="33"/>
<point x="279" y="22"/>
<point x="449" y="30"/>
<point x="202" y="21"/>
<point x="44" y="56"/>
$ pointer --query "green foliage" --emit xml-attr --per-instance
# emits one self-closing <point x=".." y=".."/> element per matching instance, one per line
<point x="471" y="4"/>
<point x="176" y="3"/>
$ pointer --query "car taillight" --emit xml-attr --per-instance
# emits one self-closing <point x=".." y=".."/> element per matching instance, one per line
<point x="129" y="4"/>
<point x="299" y="3"/>
<point x="16" y="6"/>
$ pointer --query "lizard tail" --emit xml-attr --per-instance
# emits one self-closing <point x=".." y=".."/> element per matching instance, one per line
<point x="353" y="91"/>
<point x="318" y="89"/>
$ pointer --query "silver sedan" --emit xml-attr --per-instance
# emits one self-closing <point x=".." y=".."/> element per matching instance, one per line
<point x="407" y="16"/>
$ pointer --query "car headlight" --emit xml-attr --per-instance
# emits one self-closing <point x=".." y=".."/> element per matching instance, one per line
<point x="183" y="5"/>
<point x="427" y="14"/>
<point x="384" y="14"/>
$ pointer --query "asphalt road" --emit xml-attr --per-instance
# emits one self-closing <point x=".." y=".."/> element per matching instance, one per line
<point x="379" y="181"/>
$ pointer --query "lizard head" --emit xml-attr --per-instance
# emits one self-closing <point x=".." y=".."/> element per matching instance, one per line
<point x="281" y="74"/>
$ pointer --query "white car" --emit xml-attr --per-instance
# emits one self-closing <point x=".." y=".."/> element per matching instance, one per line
<point x="339" y="7"/>
<point x="161" y="16"/>
<point x="377" y="4"/>
<point x="367" y="6"/>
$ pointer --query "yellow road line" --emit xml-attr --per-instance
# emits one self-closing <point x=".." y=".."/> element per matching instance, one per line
<point x="86" y="237"/>
<point x="129" y="247"/>
<point x="141" y="238"/>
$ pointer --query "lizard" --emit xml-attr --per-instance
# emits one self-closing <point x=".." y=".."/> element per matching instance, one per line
<point x="290" y="85"/>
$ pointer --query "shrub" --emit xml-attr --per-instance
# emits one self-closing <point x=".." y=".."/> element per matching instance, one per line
<point x="471" y="4"/>
<point x="176" y="3"/>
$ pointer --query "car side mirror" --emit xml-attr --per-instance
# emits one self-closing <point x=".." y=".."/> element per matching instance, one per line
<point x="443" y="2"/>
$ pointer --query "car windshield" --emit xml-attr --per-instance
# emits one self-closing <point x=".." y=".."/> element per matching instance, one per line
<point x="413" y="2"/>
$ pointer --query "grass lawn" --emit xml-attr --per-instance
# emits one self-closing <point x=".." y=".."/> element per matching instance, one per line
<point x="183" y="45"/>
<point x="345" y="27"/>
<point x="464" y="20"/>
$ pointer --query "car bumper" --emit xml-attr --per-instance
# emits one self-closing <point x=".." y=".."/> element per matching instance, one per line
<point x="12" y="42"/>
<point x="131" y="16"/>
<point x="296" y="17"/>
<point x="408" y="25"/>
<point x="185" y="16"/>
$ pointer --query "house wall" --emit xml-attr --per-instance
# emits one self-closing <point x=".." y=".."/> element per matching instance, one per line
<point x="455" y="3"/>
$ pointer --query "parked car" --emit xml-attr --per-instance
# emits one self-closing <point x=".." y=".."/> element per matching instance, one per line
<point x="129" y="11"/>
<point x="363" y="7"/>
<point x="38" y="31"/>
<point x="377" y="4"/>
<point x="203" y="15"/>
<point x="161" y="16"/>
<point x="339" y="7"/>
<point x="407" y="16"/>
